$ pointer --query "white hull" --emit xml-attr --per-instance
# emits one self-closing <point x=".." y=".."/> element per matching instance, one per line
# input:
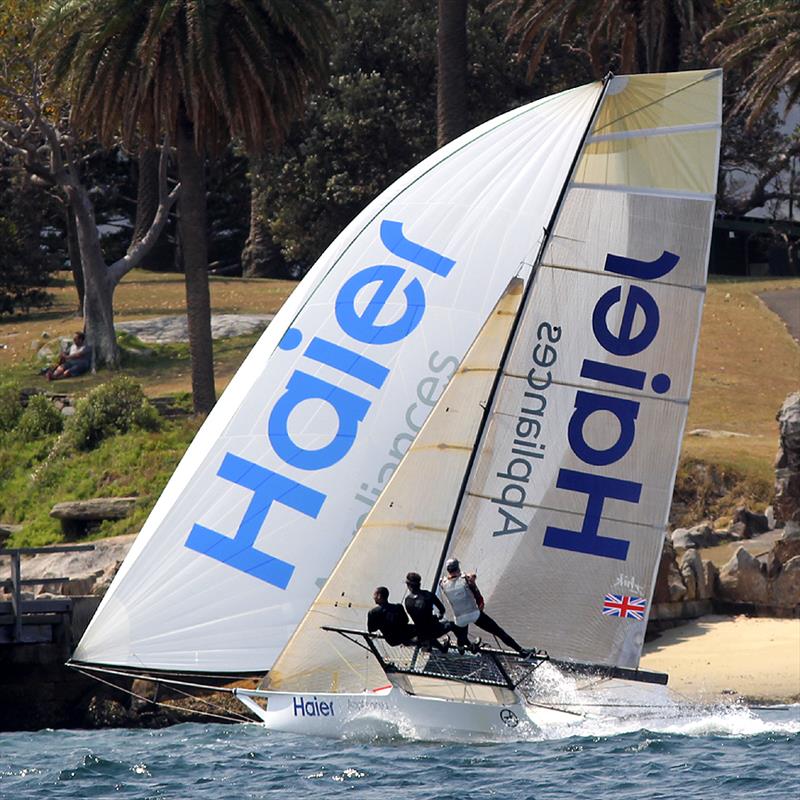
<point x="393" y="712"/>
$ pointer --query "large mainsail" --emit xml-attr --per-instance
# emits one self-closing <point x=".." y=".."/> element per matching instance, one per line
<point x="316" y="420"/>
<point x="566" y="506"/>
<point x="406" y="529"/>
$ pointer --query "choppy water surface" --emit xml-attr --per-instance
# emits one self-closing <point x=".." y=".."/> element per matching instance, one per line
<point x="718" y="753"/>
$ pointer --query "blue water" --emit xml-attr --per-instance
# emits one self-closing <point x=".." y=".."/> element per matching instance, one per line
<point x="722" y="753"/>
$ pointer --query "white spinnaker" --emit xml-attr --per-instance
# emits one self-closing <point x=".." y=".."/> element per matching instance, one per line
<point x="406" y="529"/>
<point x="480" y="203"/>
<point x="537" y="516"/>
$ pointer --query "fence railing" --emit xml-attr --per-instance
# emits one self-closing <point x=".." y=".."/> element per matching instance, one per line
<point x="20" y="609"/>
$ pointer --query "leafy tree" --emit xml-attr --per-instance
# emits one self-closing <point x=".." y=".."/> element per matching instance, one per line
<point x="621" y="35"/>
<point x="376" y="118"/>
<point x="37" y="139"/>
<point x="25" y="265"/>
<point x="201" y="73"/>
<point x="758" y="43"/>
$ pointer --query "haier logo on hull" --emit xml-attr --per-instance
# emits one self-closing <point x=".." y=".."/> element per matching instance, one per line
<point x="311" y="707"/>
<point x="361" y="323"/>
<point x="622" y="343"/>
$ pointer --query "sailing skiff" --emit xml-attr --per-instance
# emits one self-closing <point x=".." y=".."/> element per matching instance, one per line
<point x="493" y="361"/>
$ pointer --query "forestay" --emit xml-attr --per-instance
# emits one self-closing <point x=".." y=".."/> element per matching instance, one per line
<point x="566" y="506"/>
<point x="314" y="423"/>
<point x="406" y="529"/>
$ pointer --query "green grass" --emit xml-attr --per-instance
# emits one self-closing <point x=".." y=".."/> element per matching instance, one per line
<point x="137" y="463"/>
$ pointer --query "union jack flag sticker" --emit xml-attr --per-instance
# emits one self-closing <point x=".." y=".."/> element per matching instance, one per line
<point x="621" y="605"/>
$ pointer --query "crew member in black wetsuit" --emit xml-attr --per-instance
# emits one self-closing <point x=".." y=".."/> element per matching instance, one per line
<point x="419" y="605"/>
<point x="390" y="619"/>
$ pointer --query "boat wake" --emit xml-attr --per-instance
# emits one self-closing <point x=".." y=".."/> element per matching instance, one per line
<point x="601" y="709"/>
<point x="605" y="708"/>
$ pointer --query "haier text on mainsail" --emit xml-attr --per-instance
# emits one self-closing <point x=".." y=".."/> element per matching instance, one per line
<point x="631" y="339"/>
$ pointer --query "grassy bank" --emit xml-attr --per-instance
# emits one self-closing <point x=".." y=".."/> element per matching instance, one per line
<point x="140" y="296"/>
<point x="747" y="364"/>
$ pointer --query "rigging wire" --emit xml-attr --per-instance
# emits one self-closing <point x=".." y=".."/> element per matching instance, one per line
<point x="148" y="676"/>
<point x="227" y="717"/>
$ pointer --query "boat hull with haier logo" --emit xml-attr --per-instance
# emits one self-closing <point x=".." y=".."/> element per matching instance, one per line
<point x="392" y="712"/>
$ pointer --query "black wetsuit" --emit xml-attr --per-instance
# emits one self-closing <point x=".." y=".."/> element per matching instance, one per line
<point x="392" y="622"/>
<point x="420" y="607"/>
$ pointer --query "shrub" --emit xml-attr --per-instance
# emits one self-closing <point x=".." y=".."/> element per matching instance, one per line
<point x="117" y="406"/>
<point x="41" y="418"/>
<point x="10" y="406"/>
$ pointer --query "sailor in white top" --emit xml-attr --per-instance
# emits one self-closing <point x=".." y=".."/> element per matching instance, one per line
<point x="466" y="602"/>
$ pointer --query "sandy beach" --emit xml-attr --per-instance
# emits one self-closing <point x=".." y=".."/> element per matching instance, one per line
<point x="714" y="657"/>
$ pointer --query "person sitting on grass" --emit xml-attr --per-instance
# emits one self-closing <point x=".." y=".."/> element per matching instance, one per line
<point x="72" y="362"/>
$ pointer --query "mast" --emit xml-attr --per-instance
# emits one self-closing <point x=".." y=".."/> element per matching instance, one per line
<point x="523" y="305"/>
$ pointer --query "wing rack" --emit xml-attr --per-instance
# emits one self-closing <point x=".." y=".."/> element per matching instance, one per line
<point x="489" y="667"/>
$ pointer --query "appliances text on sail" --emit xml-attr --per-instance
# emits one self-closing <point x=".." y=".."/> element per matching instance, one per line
<point x="528" y="427"/>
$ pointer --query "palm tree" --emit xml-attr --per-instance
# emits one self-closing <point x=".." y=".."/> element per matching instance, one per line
<point x="762" y="37"/>
<point x="451" y="69"/>
<point x="629" y="35"/>
<point x="201" y="73"/>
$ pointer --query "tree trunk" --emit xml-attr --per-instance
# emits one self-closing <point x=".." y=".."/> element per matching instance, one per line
<point x="261" y="257"/>
<point x="98" y="309"/>
<point x="451" y="87"/>
<point x="74" y="253"/>
<point x="160" y="257"/>
<point x="669" y="43"/>
<point x="146" y="192"/>
<point x="192" y="222"/>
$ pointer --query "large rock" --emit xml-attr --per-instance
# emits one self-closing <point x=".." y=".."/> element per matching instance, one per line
<point x="711" y="580"/>
<point x="791" y="530"/>
<point x="98" y="509"/>
<point x="699" y="577"/>
<point x="669" y="584"/>
<point x="701" y="535"/>
<point x="80" y="516"/>
<point x="747" y="524"/>
<point x="163" y="330"/>
<point x="787" y="465"/>
<point x="104" y="712"/>
<point x="785" y="588"/>
<point x="785" y="549"/>
<point x="744" y="579"/>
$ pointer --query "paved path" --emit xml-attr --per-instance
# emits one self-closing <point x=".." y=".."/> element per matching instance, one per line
<point x="786" y="304"/>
